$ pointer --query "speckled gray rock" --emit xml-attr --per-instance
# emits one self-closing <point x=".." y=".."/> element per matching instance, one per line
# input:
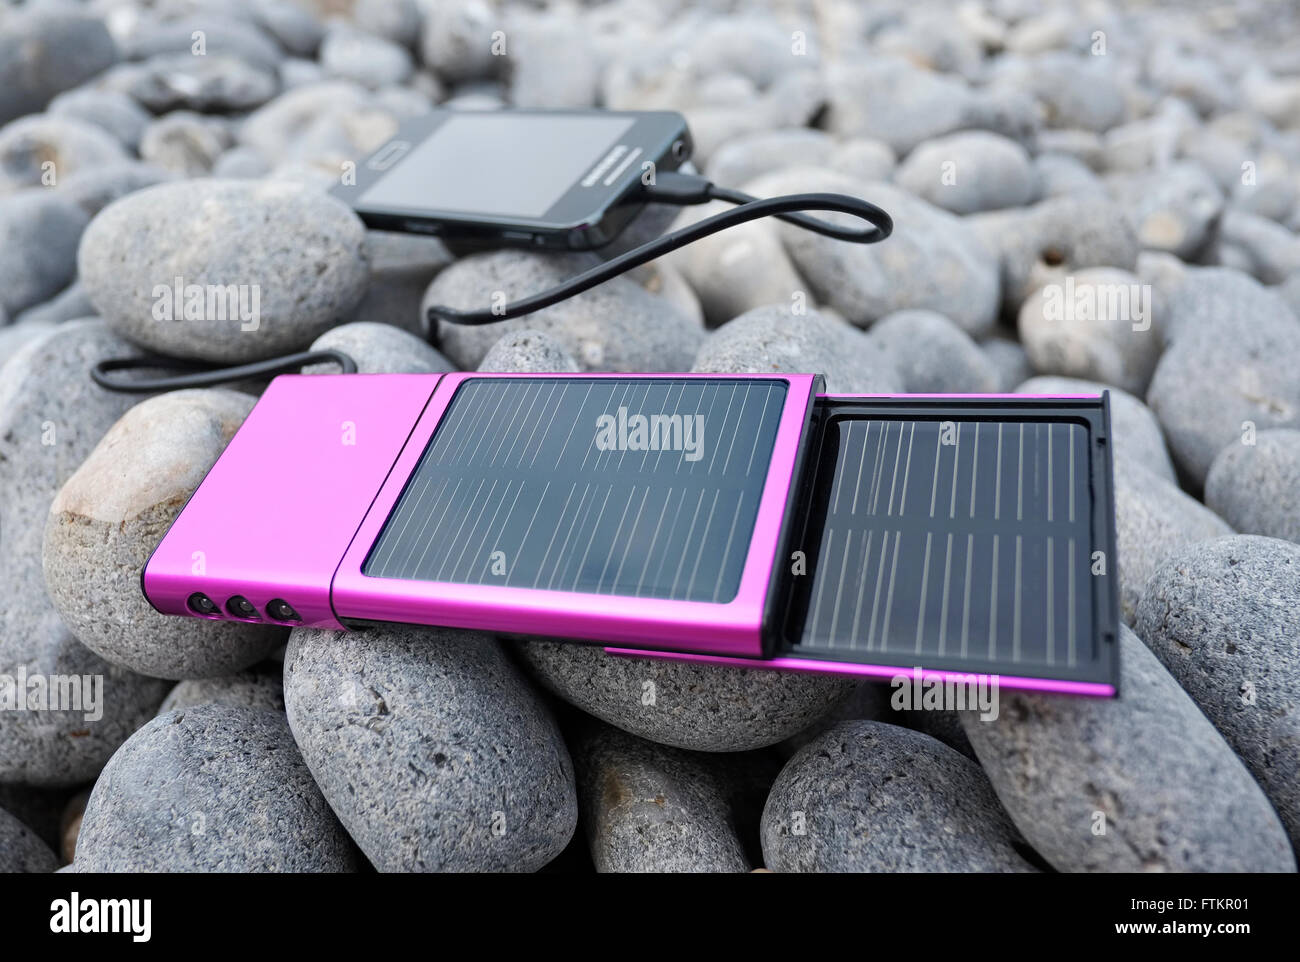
<point x="184" y="142"/>
<point x="970" y="171"/>
<point x="1224" y="618"/>
<point x="937" y="263"/>
<point x="699" y="707"/>
<point x="1078" y="92"/>
<point x="528" y="352"/>
<point x="1172" y="209"/>
<point x="20" y="848"/>
<point x="650" y="808"/>
<point x="457" y="39"/>
<point x="1054" y="239"/>
<point x="1173" y="795"/>
<point x="14" y="336"/>
<point x="379" y="349"/>
<point x="1135" y="433"/>
<point x="769" y="339"/>
<point x="866" y="796"/>
<point x="213" y="788"/>
<point x="93" y="190"/>
<point x="45" y="149"/>
<point x="1099" y="325"/>
<point x="741" y="160"/>
<point x="933" y="355"/>
<point x="51" y="416"/>
<point x="45" y="51"/>
<point x="1256" y="487"/>
<point x="369" y="60"/>
<point x="247" y="689"/>
<point x="1153" y="519"/>
<point x="296" y="255"/>
<point x="110" y="515"/>
<point x="115" y="112"/>
<point x="1271" y="251"/>
<point x="39" y="231"/>
<point x="431" y="747"/>
<point x="1215" y="299"/>
<point x="617" y="326"/>
<point x="1225" y="374"/>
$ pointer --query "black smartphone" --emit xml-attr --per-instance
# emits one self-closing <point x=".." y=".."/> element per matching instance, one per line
<point x="560" y="179"/>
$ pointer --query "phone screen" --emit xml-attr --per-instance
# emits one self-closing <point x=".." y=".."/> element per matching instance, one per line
<point x="643" y="487"/>
<point x="506" y="164"/>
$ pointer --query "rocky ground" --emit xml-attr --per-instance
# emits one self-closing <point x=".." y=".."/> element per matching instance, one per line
<point x="1021" y="146"/>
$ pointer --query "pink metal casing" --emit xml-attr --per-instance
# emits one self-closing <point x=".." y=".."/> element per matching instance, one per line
<point x="279" y="508"/>
<point x="733" y="628"/>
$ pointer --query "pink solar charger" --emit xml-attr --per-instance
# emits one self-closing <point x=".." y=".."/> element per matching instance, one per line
<point x="747" y="520"/>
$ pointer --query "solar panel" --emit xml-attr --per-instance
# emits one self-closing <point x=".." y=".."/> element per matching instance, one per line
<point x="619" y="486"/>
<point x="945" y="540"/>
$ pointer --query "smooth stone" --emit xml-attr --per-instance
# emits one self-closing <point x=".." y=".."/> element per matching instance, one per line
<point x="51" y="417"/>
<point x="1119" y="344"/>
<point x="1207" y="299"/>
<point x="457" y="39"/>
<point x="1009" y="360"/>
<point x="970" y="171"/>
<point x="395" y="20"/>
<point x="1175" y="208"/>
<point x="45" y="150"/>
<point x="739" y="161"/>
<point x="938" y="263"/>
<point x="1272" y="251"/>
<point x="1153" y="519"/>
<point x="1078" y="92"/>
<point x="212" y="788"/>
<point x="707" y="708"/>
<point x="110" y="515"/>
<point x="39" y="233"/>
<point x="1226" y="373"/>
<point x="369" y="60"/>
<point x="240" y="162"/>
<point x="222" y="35"/>
<point x="431" y="747"/>
<point x="1135" y="435"/>
<point x="650" y="808"/>
<point x="401" y="267"/>
<point x="554" y="62"/>
<point x="21" y="850"/>
<point x="1055" y="238"/>
<point x="302" y="252"/>
<point x="933" y="355"/>
<point x="245" y="689"/>
<point x="1173" y="796"/>
<point x="1060" y="174"/>
<point x="214" y="83"/>
<point x="1224" y="618"/>
<point x="528" y="352"/>
<point x="93" y="190"/>
<point x="185" y="143"/>
<point x="773" y="339"/>
<point x="113" y="111"/>
<point x="616" y="326"/>
<point x="327" y="125"/>
<point x="39" y="809"/>
<point x="866" y="796"/>
<point x="661" y="278"/>
<point x="15" y="335"/>
<point x="863" y="158"/>
<point x="379" y="349"/>
<point x="44" y="51"/>
<point x="68" y="305"/>
<point x="1256" y="487"/>
<point x="297" y="28"/>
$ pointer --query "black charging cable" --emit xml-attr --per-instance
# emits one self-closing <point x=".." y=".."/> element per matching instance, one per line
<point x="669" y="188"/>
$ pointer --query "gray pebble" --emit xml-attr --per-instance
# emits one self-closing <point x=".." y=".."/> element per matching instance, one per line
<point x="68" y="305"/>
<point x="211" y="83"/>
<point x="1224" y="618"/>
<point x="937" y="263"/>
<point x="115" y="112"/>
<point x="93" y="190"/>
<point x="970" y="171"/>
<point x="617" y="326"/>
<point x="1097" y="324"/>
<point x="15" y="335"/>
<point x="739" y="161"/>
<point x="39" y="232"/>
<point x="650" y="808"/>
<point x="528" y="352"/>
<point x="379" y="349"/>
<point x="773" y="339"/>
<point x="933" y="355"/>
<point x="554" y="63"/>
<point x="1009" y="360"/>
<point x="866" y="796"/>
<point x="457" y="39"/>
<point x="46" y="150"/>
<point x="185" y="143"/>
<point x="1256" y="487"/>
<point x="863" y="158"/>
<point x="1138" y="783"/>
<point x="240" y="162"/>
<point x="21" y="850"/>
<point x="1135" y="435"/>
<point x="431" y="747"/>
<point x="1078" y="92"/>
<point x="213" y="788"/>
<point x="395" y="20"/>
<point x="301" y="254"/>
<point x="369" y="60"/>
<point x="1175" y="208"/>
<point x="1061" y="174"/>
<point x="44" y="51"/>
<point x="1289" y="291"/>
<point x="1272" y="252"/>
<point x="1153" y="519"/>
<point x="700" y="707"/>
<point x="296" y="28"/>
<point x="110" y="515"/>
<point x="246" y="689"/>
<point x="51" y="416"/>
<point x="222" y="36"/>
<point x="401" y="267"/>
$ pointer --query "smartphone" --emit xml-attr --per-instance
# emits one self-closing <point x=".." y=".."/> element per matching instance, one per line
<point x="749" y="520"/>
<point x="560" y="179"/>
